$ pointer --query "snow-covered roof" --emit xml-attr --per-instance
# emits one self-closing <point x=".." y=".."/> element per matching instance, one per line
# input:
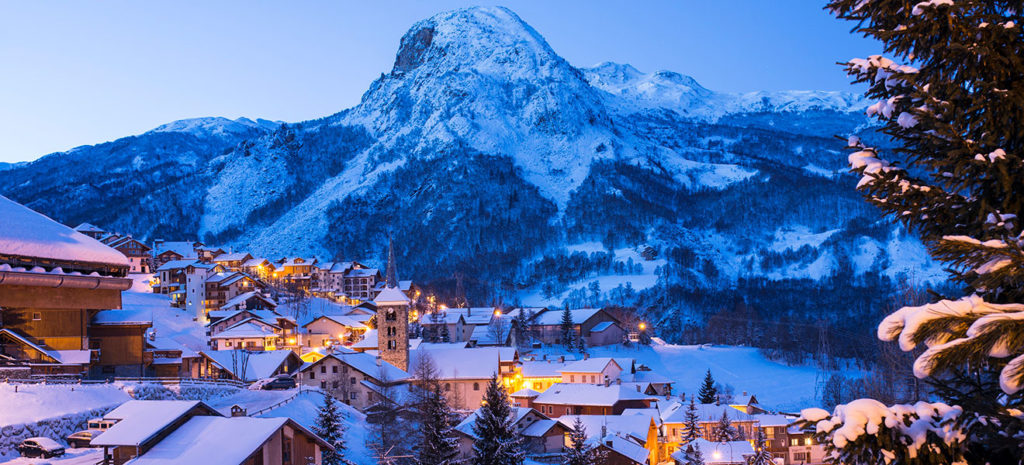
<point x="26" y="233"/>
<point x="440" y="317"/>
<point x="588" y="394"/>
<point x="140" y="420"/>
<point x="127" y="316"/>
<point x="343" y="320"/>
<point x="590" y="365"/>
<point x="525" y="392"/>
<point x="175" y="265"/>
<point x="474" y="315"/>
<point x="86" y="227"/>
<point x="232" y="257"/>
<point x="624" y="447"/>
<point x="391" y="296"/>
<point x="254" y="262"/>
<point x="367" y="364"/>
<point x="553" y="317"/>
<point x="518" y="414"/>
<point x="676" y="413"/>
<point x="213" y="440"/>
<point x="184" y="248"/>
<point x="542" y="369"/>
<point x="369" y="341"/>
<point x="361" y="272"/>
<point x="772" y="419"/>
<point x="539" y="428"/>
<point x="67" y="357"/>
<point x="241" y="298"/>
<point x="629" y="426"/>
<point x="473" y="363"/>
<point x="488" y="335"/>
<point x="258" y="366"/>
<point x="245" y="330"/>
<point x="602" y="326"/>
<point x="715" y="452"/>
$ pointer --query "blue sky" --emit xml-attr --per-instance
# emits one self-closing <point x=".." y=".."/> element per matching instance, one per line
<point x="75" y="73"/>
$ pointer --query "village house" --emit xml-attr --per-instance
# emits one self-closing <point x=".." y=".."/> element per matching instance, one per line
<point x="251" y="334"/>
<point x="295" y="272"/>
<point x="540" y="435"/>
<point x="137" y="252"/>
<point x="90" y="230"/>
<point x="53" y="280"/>
<point x="596" y="326"/>
<point x="359" y="283"/>
<point x="358" y="379"/>
<point x="260" y="268"/>
<point x="120" y="336"/>
<point x="708" y="416"/>
<point x="284" y="327"/>
<point x="245" y="366"/>
<point x="465" y="372"/>
<point x="539" y="375"/>
<point x="232" y="261"/>
<point x="716" y="452"/>
<point x="152" y="432"/>
<point x="342" y="330"/>
<point x="746" y="403"/>
<point x="207" y="254"/>
<point x="165" y="251"/>
<point x="803" y="448"/>
<point x="626" y="439"/>
<point x="171" y="280"/>
<point x="600" y="370"/>
<point x="196" y="274"/>
<point x="588" y="399"/>
<point x="775" y="429"/>
<point x="447" y="327"/>
<point x="252" y="300"/>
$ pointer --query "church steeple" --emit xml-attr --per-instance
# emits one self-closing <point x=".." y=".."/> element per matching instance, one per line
<point x="391" y="275"/>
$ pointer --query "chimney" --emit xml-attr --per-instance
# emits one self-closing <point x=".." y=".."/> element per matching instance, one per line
<point x="586" y="356"/>
<point x="378" y="360"/>
<point x="618" y="381"/>
<point x="607" y="382"/>
<point x="604" y="432"/>
<point x="561" y="359"/>
<point x="238" y="411"/>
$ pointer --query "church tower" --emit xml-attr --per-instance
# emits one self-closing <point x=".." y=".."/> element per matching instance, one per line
<point x="393" y="318"/>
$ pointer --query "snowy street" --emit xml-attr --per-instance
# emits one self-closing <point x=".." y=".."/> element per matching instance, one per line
<point x="71" y="457"/>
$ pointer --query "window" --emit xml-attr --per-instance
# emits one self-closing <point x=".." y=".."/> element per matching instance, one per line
<point x="334" y="384"/>
<point x="593" y="379"/>
<point x="36" y="316"/>
<point x="312" y="375"/>
<point x="808" y="441"/>
<point x="536" y="386"/>
<point x="353" y="395"/>
<point x="286" y="451"/>
<point x="323" y="384"/>
<point x="352" y="380"/>
<point x="334" y="369"/>
<point x="476" y="386"/>
<point x="447" y="387"/>
<point x="323" y="368"/>
<point x="794" y="442"/>
<point x="572" y="378"/>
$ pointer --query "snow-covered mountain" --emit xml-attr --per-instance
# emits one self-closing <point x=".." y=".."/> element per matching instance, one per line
<point x="487" y="155"/>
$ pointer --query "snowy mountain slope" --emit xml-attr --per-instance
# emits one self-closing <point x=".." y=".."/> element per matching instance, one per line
<point x="483" y="150"/>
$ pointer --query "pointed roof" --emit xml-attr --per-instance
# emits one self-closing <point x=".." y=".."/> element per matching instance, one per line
<point x="391" y="277"/>
<point x="391" y="296"/>
<point x="86" y="227"/>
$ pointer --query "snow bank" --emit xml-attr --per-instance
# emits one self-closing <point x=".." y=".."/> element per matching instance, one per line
<point x="37" y="402"/>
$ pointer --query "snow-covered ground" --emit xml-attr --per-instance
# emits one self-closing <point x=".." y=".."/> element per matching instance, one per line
<point x="70" y="457"/>
<point x="776" y="385"/>
<point x="35" y="402"/>
<point x="304" y="408"/>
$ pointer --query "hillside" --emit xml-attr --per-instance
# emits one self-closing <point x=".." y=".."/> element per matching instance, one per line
<point x="492" y="160"/>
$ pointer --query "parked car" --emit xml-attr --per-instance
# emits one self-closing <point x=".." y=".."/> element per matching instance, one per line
<point x="82" y="438"/>
<point x="281" y="382"/>
<point x="40" y="447"/>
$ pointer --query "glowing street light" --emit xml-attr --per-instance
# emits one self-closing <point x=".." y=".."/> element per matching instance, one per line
<point x="497" y="312"/>
<point x="642" y="326"/>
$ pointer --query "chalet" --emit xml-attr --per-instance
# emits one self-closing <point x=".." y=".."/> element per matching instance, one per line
<point x="658" y="384"/>
<point x="746" y="403"/>
<point x="164" y="251"/>
<point x="803" y="448"/>
<point x="232" y="261"/>
<point x="120" y="336"/>
<point x="626" y="439"/>
<point x="715" y="452"/>
<point x="539" y="375"/>
<point x="258" y="267"/>
<point x="599" y="370"/>
<point x="161" y="432"/>
<point x="547" y="326"/>
<point x="358" y="379"/>
<point x="252" y="300"/>
<point x="296" y="271"/>
<point x="222" y="287"/>
<point x="90" y="230"/>
<point x="53" y="280"/>
<point x="137" y="252"/>
<point x="196" y="274"/>
<point x="171" y="280"/>
<point x="329" y="277"/>
<point x="464" y="373"/>
<point x="776" y="434"/>
<point x="252" y="329"/>
<point x="251" y="334"/>
<point x="336" y="329"/>
<point x="445" y="326"/>
<point x="138" y="425"/>
<point x="589" y="399"/>
<point x="540" y="435"/>
<point x="462" y="322"/>
<point x="247" y="366"/>
<point x="359" y="283"/>
<point x="207" y="254"/>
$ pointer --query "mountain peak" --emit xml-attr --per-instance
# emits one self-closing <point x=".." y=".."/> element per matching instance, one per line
<point x="217" y="126"/>
<point x="489" y="39"/>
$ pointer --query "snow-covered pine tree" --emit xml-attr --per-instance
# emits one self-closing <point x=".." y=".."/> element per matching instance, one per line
<point x="697" y="457"/>
<point x="724" y="430"/>
<point x="707" y="393"/>
<point x="438" y="445"/>
<point x="497" y="442"/>
<point x="691" y="429"/>
<point x="761" y="454"/>
<point x="330" y="428"/>
<point x="579" y="451"/>
<point x="954" y="108"/>
<point x="567" y="328"/>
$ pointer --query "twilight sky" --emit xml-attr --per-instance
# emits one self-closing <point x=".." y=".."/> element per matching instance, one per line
<point x="76" y="73"/>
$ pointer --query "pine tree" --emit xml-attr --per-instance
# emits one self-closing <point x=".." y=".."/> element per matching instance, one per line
<point x="438" y="445"/>
<point x="724" y="431"/>
<point x="761" y="454"/>
<point x="568" y="329"/>
<point x="691" y="429"/>
<point x="497" y="442"/>
<point x="697" y="457"/>
<point x="330" y="428"/>
<point x="446" y="335"/>
<point x="956" y="178"/>
<point x="707" y="393"/>
<point x="579" y="453"/>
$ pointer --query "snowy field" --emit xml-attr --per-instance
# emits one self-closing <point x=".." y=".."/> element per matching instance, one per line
<point x="71" y="457"/>
<point x="776" y="385"/>
<point x="35" y="402"/>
